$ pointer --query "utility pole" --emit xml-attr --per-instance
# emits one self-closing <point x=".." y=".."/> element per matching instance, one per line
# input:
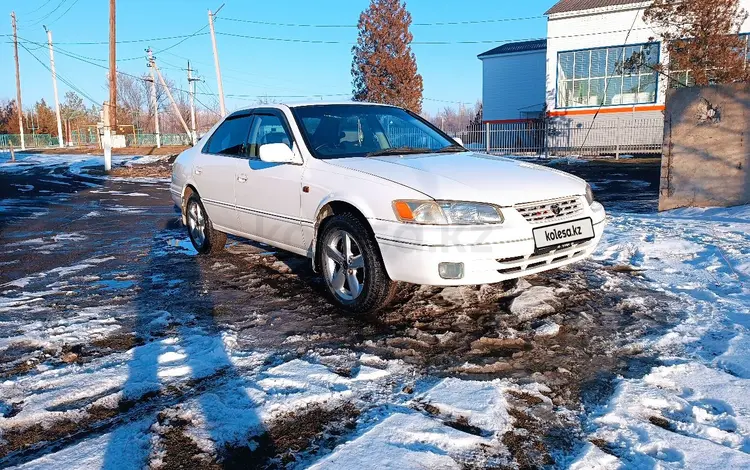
<point x="152" y="66"/>
<point x="169" y="94"/>
<point x="54" y="87"/>
<point x="222" y="108"/>
<point x="18" y="81"/>
<point x="112" y="68"/>
<point x="191" y="86"/>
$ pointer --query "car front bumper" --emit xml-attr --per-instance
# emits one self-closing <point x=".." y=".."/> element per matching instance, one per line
<point x="412" y="253"/>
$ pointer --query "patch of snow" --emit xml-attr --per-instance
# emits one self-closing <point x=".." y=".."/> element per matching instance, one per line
<point x="687" y="414"/>
<point x="547" y="330"/>
<point x="534" y="302"/>
<point x="126" y="448"/>
<point x="483" y="404"/>
<point x="400" y="441"/>
<point x="693" y="412"/>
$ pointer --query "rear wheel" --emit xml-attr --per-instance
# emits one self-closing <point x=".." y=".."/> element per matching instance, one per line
<point x="352" y="266"/>
<point x="201" y="231"/>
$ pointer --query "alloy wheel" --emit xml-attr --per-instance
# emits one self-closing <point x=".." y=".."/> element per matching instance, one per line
<point x="196" y="224"/>
<point x="344" y="265"/>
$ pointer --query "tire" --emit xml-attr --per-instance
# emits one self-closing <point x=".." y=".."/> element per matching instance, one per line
<point x="205" y="239"/>
<point x="365" y="286"/>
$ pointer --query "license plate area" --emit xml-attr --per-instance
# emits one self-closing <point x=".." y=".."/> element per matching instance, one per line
<point x="563" y="233"/>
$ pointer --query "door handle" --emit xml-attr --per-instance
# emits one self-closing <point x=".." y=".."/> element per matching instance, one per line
<point x="242" y="178"/>
<point x="198" y="170"/>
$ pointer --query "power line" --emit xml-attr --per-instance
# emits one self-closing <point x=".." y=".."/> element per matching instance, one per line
<point x="44" y="17"/>
<point x="38" y="8"/>
<point x="427" y="43"/>
<point x="182" y="40"/>
<point x="65" y="12"/>
<point x="75" y="55"/>
<point x="439" y="23"/>
<point x="61" y="77"/>
<point x="131" y="41"/>
<point x="231" y="95"/>
<point x="606" y="85"/>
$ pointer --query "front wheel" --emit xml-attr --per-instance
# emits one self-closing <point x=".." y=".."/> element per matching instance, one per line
<point x="202" y="234"/>
<point x="352" y="266"/>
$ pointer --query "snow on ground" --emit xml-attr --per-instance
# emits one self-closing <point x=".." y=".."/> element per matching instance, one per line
<point x="74" y="161"/>
<point x="694" y="410"/>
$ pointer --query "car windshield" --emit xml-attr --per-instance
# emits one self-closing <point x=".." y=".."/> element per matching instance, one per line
<point x="359" y="130"/>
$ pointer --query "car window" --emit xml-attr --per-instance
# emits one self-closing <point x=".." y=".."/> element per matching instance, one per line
<point x="354" y="130"/>
<point x="230" y="137"/>
<point x="267" y="129"/>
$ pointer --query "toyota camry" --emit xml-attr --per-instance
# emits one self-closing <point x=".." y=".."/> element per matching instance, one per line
<point x="375" y="195"/>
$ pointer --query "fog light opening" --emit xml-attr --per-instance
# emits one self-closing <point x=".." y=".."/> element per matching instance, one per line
<point x="451" y="270"/>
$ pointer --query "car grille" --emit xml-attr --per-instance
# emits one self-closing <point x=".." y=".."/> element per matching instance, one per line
<point x="549" y="257"/>
<point x="550" y="210"/>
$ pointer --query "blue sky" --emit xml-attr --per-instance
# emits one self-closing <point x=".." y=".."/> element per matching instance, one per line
<point x="255" y="66"/>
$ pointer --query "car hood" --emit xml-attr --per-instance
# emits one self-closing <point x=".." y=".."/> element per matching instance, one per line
<point x="469" y="176"/>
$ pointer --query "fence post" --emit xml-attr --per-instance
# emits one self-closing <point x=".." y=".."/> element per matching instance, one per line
<point x="12" y="154"/>
<point x="487" y="132"/>
<point x="618" y="129"/>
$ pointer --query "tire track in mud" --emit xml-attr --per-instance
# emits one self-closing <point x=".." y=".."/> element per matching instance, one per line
<point x="571" y="330"/>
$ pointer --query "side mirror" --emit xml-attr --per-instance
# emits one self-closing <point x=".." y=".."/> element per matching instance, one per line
<point x="459" y="141"/>
<point x="276" y="153"/>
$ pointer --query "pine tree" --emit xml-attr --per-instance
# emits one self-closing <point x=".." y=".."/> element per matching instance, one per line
<point x="702" y="36"/>
<point x="384" y="68"/>
<point x="44" y="118"/>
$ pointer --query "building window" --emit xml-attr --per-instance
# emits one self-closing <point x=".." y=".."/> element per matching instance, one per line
<point x="607" y="76"/>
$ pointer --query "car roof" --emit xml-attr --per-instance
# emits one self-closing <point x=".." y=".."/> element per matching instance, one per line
<point x="307" y="103"/>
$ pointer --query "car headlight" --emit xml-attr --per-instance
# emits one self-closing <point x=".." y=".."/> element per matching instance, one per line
<point x="589" y="194"/>
<point x="447" y="213"/>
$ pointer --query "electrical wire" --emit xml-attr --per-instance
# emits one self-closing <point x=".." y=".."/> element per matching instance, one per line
<point x="439" y="23"/>
<point x="65" y="12"/>
<point x="131" y="41"/>
<point x="427" y="43"/>
<point x="61" y="77"/>
<point x="44" y="17"/>
<point x="38" y="8"/>
<point x="233" y="95"/>
<point x="606" y="85"/>
<point x="181" y="41"/>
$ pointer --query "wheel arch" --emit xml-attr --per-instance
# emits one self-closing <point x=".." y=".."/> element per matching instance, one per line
<point x="187" y="191"/>
<point x="327" y="210"/>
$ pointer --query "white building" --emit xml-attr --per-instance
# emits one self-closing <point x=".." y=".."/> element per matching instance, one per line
<point x="513" y="81"/>
<point x="586" y="40"/>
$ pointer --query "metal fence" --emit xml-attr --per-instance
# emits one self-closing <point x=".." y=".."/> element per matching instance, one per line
<point x="84" y="137"/>
<point x="31" y="140"/>
<point x="542" y="137"/>
<point x="149" y="140"/>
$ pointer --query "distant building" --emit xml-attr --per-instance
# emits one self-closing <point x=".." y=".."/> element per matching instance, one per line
<point x="586" y="39"/>
<point x="513" y="81"/>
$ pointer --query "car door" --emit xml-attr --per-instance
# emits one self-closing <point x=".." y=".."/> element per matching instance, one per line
<point x="268" y="194"/>
<point x="214" y="170"/>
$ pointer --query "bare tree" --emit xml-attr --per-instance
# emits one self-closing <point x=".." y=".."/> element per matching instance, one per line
<point x="456" y="119"/>
<point x="702" y="37"/>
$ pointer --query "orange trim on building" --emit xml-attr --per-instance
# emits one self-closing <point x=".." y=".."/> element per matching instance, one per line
<point x="629" y="109"/>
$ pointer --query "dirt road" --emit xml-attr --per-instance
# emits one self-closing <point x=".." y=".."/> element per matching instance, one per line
<point x="119" y="345"/>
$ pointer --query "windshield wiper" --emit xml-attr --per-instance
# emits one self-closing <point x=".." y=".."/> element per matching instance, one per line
<point x="397" y="151"/>
<point x="451" y="148"/>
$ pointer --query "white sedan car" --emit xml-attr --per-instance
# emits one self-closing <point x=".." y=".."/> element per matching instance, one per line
<point x="374" y="195"/>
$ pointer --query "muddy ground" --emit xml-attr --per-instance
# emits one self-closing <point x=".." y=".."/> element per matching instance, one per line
<point x="138" y="258"/>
